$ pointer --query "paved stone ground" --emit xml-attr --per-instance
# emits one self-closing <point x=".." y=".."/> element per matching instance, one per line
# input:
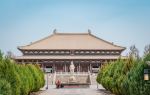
<point x="92" y="90"/>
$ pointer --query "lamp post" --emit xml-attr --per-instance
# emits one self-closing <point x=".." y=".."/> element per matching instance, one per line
<point x="97" y="85"/>
<point x="47" y="79"/>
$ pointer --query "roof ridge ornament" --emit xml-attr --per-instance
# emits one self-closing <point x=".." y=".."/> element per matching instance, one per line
<point x="54" y="31"/>
<point x="89" y="31"/>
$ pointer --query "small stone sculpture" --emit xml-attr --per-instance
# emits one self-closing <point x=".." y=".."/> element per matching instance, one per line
<point x="72" y="78"/>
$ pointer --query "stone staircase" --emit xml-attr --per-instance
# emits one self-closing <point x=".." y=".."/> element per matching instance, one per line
<point x="64" y="77"/>
<point x="81" y="78"/>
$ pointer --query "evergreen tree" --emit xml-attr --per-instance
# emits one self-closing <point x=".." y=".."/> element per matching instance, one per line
<point x="134" y="52"/>
<point x="18" y="79"/>
<point x="147" y="49"/>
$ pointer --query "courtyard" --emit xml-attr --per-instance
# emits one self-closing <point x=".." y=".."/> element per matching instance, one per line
<point x="92" y="90"/>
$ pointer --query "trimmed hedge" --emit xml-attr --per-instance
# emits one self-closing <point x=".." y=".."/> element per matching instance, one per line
<point x="18" y="79"/>
<point x="125" y="77"/>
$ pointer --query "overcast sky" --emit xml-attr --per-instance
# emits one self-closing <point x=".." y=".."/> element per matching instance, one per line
<point x="124" y="22"/>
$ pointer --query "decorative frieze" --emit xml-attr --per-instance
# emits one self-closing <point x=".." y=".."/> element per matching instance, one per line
<point x="71" y="52"/>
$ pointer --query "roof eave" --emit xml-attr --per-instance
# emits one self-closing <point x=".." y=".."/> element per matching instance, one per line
<point x="23" y="48"/>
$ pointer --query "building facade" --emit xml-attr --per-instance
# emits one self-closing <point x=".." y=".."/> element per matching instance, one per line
<point x="58" y="50"/>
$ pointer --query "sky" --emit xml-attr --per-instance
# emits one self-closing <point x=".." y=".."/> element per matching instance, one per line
<point x="123" y="22"/>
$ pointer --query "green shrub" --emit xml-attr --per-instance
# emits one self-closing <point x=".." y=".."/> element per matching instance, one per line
<point x="5" y="88"/>
<point x="21" y="70"/>
<point x="18" y="79"/>
<point x="40" y="72"/>
<point x="125" y="77"/>
<point x="36" y="77"/>
<point x="8" y="72"/>
<point x="30" y="78"/>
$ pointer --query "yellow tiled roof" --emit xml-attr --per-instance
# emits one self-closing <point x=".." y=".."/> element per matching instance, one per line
<point x="63" y="41"/>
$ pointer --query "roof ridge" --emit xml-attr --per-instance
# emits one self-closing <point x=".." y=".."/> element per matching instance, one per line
<point x="69" y="33"/>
